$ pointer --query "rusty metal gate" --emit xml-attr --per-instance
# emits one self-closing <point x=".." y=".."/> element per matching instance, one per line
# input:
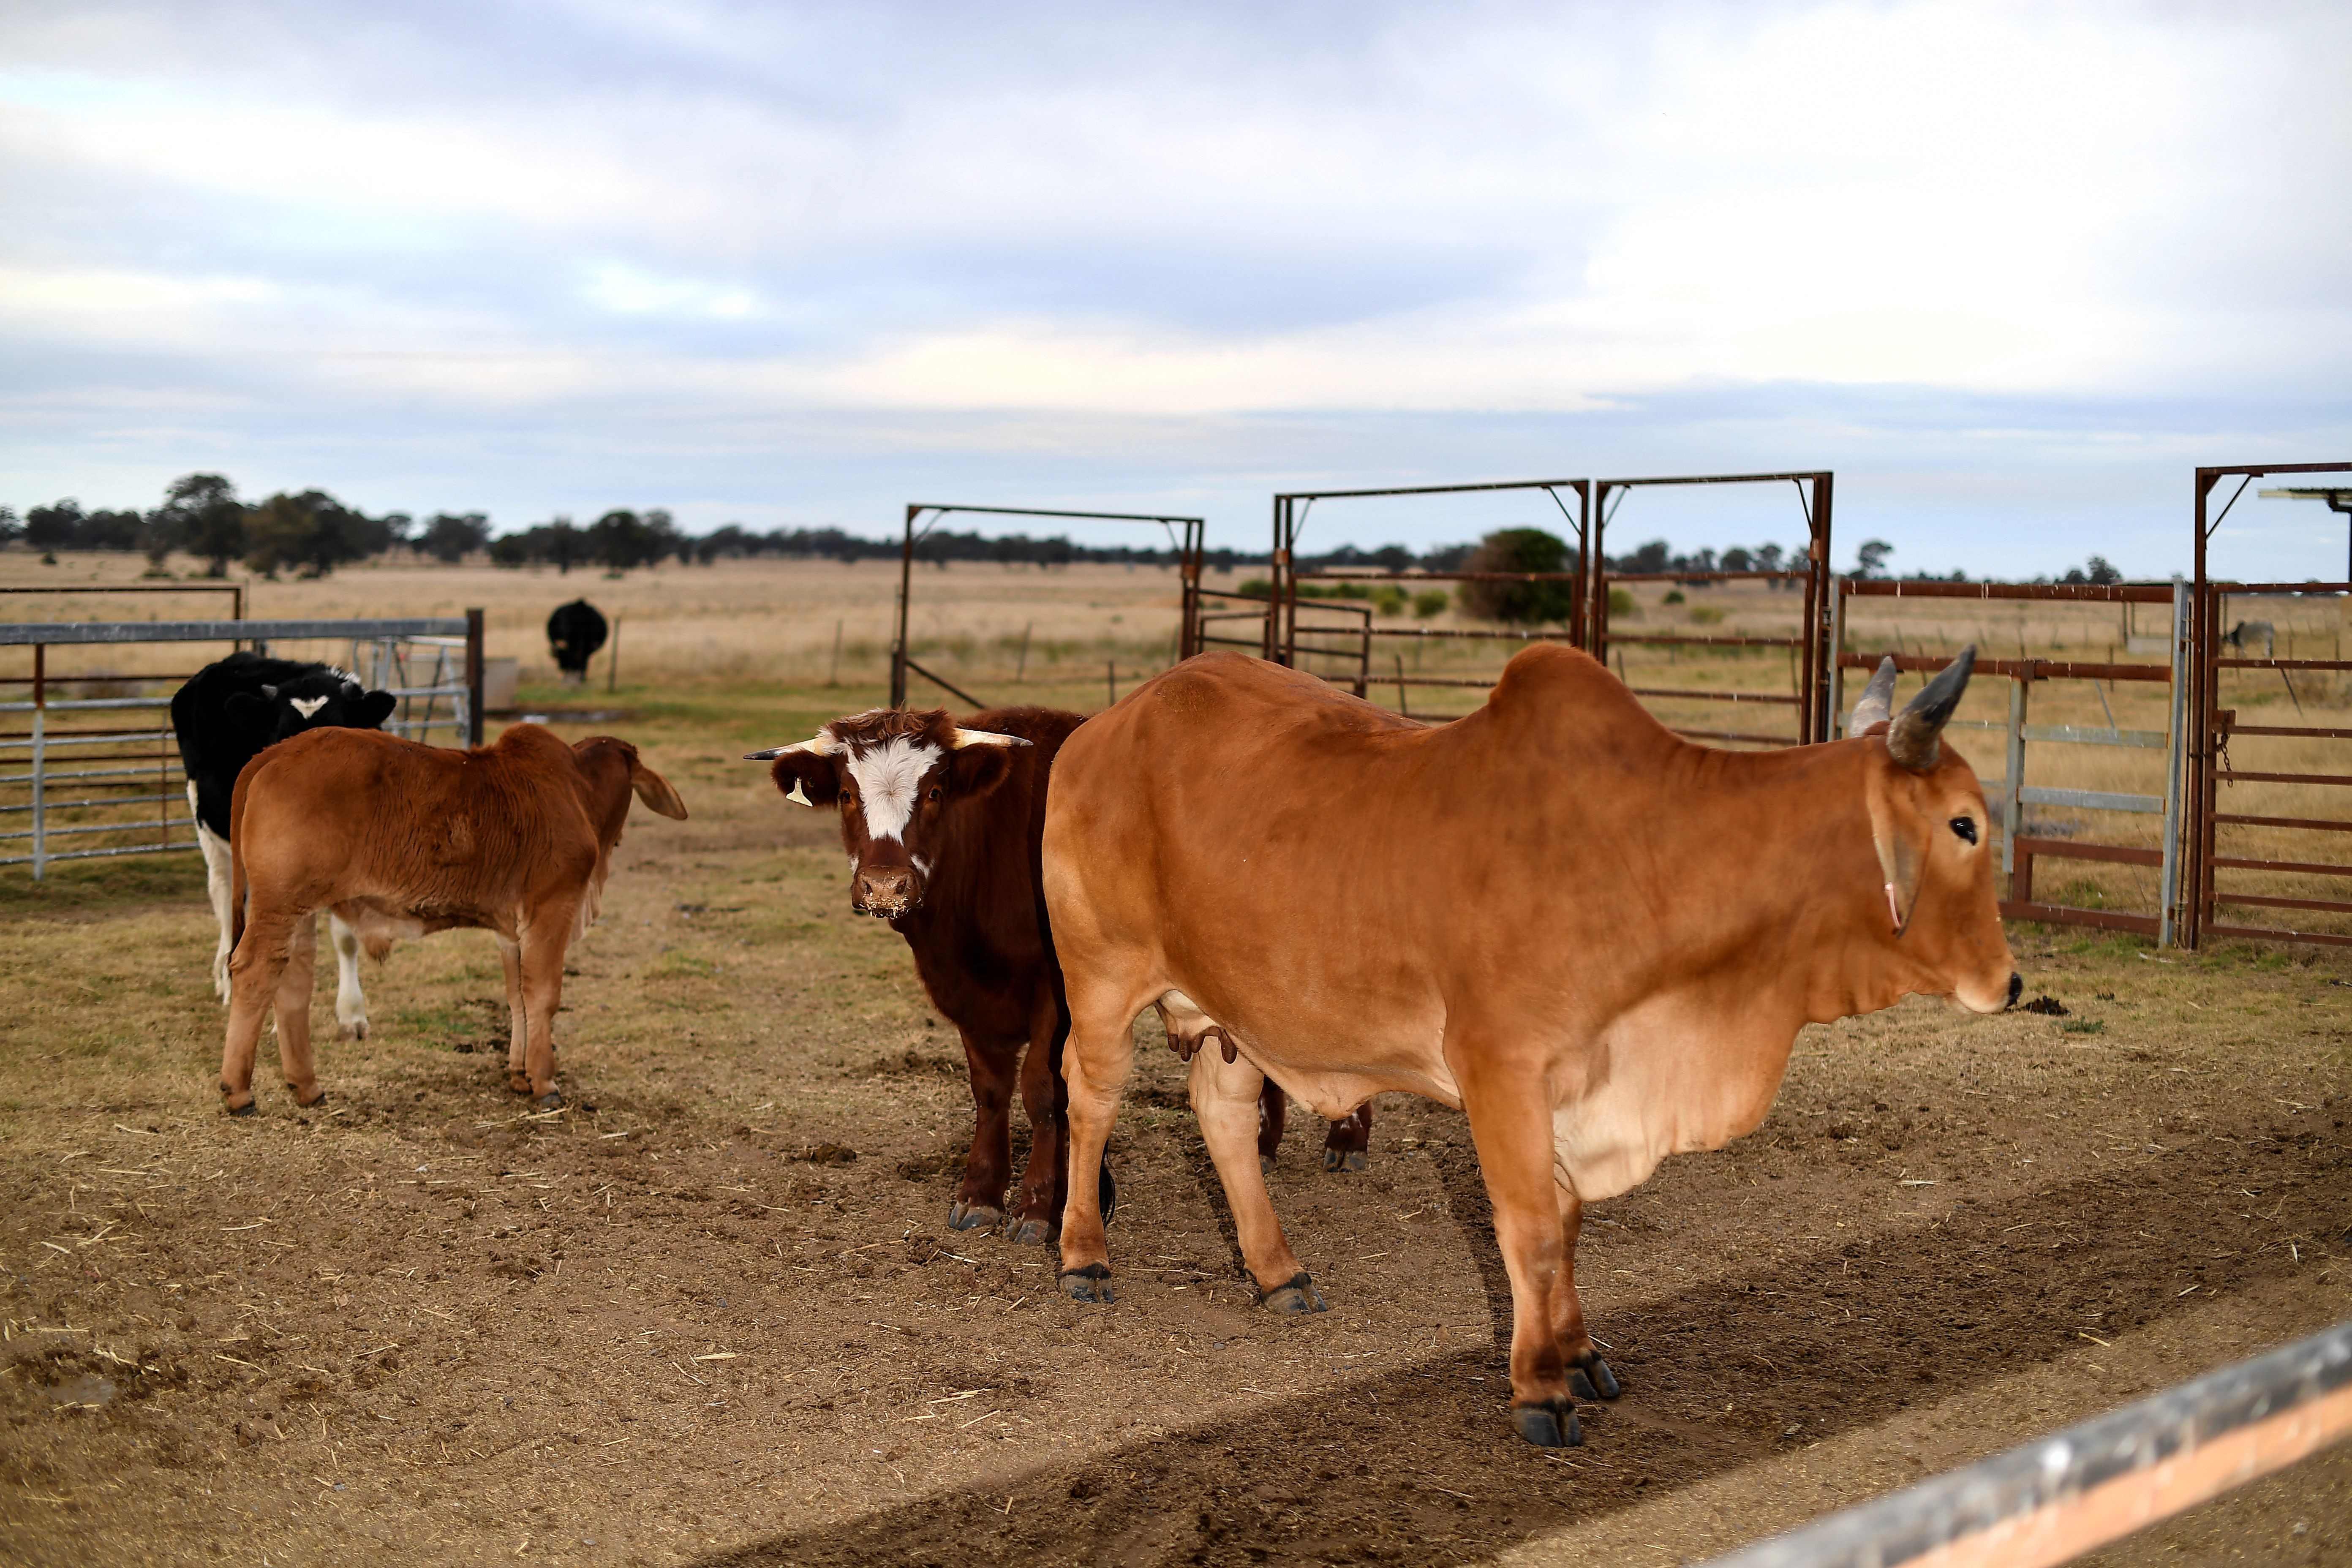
<point x="1184" y="531"/>
<point x="1809" y="675"/>
<point x="2282" y="804"/>
<point x="1340" y="633"/>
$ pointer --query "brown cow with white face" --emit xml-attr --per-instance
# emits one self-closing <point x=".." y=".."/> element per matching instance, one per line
<point x="941" y="821"/>
<point x="1597" y="939"/>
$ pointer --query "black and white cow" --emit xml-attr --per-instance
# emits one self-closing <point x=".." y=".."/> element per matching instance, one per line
<point x="226" y="715"/>
<point x="574" y="632"/>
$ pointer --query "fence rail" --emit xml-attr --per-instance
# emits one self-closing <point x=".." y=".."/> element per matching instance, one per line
<point x="2061" y="1496"/>
<point x="433" y="666"/>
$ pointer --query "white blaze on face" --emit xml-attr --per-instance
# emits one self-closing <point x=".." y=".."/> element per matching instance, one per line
<point x="308" y="706"/>
<point x="886" y="778"/>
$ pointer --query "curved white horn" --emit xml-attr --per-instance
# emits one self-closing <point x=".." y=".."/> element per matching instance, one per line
<point x="960" y="738"/>
<point x="821" y="744"/>
<point x="1876" y="703"/>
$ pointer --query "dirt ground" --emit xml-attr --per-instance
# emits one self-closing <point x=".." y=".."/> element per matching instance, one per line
<point x="710" y="1311"/>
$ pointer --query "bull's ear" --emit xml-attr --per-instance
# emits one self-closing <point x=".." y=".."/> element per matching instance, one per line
<point x="654" y="791"/>
<point x="975" y="770"/>
<point x="371" y="711"/>
<point x="1898" y="832"/>
<point x="807" y="778"/>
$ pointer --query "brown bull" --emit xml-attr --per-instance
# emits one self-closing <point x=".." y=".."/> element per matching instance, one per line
<point x="403" y="839"/>
<point x="1597" y="939"/>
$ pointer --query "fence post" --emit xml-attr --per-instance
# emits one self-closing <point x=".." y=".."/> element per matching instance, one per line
<point x="2176" y="765"/>
<point x="473" y="677"/>
<point x="41" y="755"/>
<point x="2013" y="820"/>
<point x="1836" y="720"/>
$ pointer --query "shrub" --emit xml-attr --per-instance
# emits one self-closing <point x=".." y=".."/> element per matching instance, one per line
<point x="1622" y="606"/>
<point x="1525" y="604"/>
<point x="1674" y="596"/>
<point x="1706" y="615"/>
<point x="1430" y="602"/>
<point x="1387" y="599"/>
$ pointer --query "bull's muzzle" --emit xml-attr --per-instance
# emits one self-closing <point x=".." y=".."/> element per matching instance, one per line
<point x="883" y="891"/>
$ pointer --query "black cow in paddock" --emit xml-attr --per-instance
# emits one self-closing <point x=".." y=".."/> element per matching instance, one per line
<point x="574" y="632"/>
<point x="943" y="822"/>
<point x="227" y="715"/>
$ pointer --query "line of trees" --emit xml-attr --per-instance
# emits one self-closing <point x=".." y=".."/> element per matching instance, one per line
<point x="310" y="533"/>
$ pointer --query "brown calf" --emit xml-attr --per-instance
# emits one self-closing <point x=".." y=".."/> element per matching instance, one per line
<point x="403" y="839"/>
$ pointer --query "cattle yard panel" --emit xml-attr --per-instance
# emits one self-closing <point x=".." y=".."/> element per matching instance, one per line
<point x="1344" y="632"/>
<point x="2051" y="1500"/>
<point x="1185" y="532"/>
<point x="1811" y="679"/>
<point x="2243" y="683"/>
<point x="111" y="766"/>
<point x="2010" y="795"/>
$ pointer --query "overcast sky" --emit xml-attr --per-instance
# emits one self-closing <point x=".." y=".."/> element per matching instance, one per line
<point x="2010" y="271"/>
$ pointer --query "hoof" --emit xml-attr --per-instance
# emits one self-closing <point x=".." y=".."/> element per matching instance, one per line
<point x="1548" y="1426"/>
<point x="1591" y="1379"/>
<point x="517" y="1083"/>
<point x="963" y="1215"/>
<point x="552" y="1099"/>
<point x="1265" y="1164"/>
<point x="1295" y="1297"/>
<point x="317" y="1098"/>
<point x="355" y="1030"/>
<point x="1345" y="1160"/>
<point x="249" y="1109"/>
<point x="1107" y="1193"/>
<point x="1034" y="1231"/>
<point x="1091" y="1283"/>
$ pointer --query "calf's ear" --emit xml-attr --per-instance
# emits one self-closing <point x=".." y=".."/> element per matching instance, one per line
<point x="654" y="791"/>
<point x="807" y="778"/>
<point x="371" y="711"/>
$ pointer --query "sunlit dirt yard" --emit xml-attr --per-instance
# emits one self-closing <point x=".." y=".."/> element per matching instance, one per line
<point x="710" y="1311"/>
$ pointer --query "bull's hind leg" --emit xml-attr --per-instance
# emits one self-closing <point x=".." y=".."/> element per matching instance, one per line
<point x="1346" y="1147"/>
<point x="1273" y="1108"/>
<point x="1094" y="1064"/>
<point x="254" y="970"/>
<point x="295" y="1064"/>
<point x="350" y="1001"/>
<point x="1225" y="1098"/>
<point x="1589" y="1376"/>
<point x="1045" y="1181"/>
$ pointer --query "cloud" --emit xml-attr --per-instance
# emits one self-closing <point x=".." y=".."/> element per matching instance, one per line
<point x="1912" y="240"/>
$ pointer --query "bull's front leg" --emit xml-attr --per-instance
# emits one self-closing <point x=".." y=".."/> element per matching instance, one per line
<point x="1589" y="1376"/>
<point x="1509" y="1105"/>
<point x="1225" y="1101"/>
<point x="980" y="1196"/>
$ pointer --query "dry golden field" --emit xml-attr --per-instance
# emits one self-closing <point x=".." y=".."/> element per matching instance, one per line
<point x="711" y="1312"/>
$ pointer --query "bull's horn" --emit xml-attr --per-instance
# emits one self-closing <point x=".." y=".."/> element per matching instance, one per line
<point x="820" y="744"/>
<point x="960" y="738"/>
<point x="1876" y="703"/>
<point x="1913" y="740"/>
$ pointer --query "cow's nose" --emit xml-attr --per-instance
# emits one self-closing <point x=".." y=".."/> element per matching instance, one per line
<point x="2016" y="988"/>
<point x="884" y="890"/>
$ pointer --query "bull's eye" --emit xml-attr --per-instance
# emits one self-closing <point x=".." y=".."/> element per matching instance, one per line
<point x="1965" y="827"/>
<point x="934" y="795"/>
